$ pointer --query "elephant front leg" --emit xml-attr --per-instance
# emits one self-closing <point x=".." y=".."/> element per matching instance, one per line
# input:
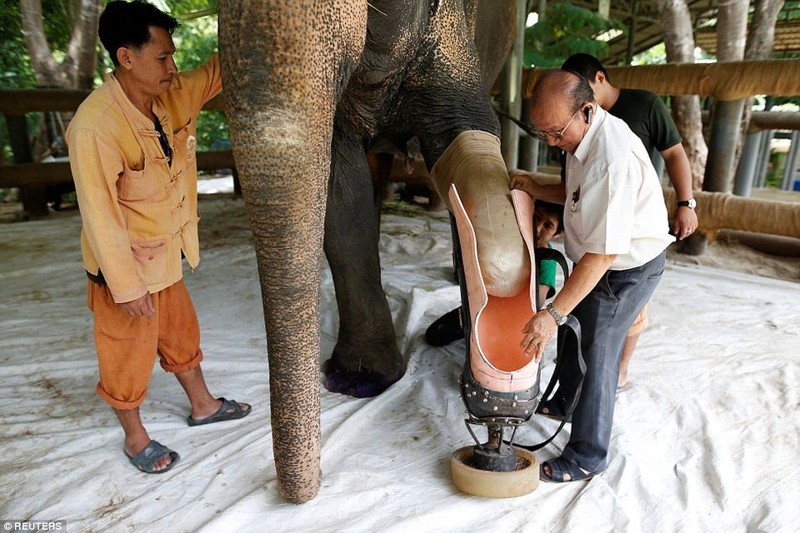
<point x="366" y="359"/>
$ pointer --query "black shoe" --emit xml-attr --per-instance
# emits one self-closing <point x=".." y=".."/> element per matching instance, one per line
<point x="552" y="409"/>
<point x="446" y="329"/>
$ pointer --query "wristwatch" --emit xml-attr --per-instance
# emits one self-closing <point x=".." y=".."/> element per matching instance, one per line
<point x="560" y="320"/>
<point x="691" y="203"/>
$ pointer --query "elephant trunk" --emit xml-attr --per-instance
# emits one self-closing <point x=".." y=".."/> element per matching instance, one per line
<point x="283" y="70"/>
<point x="284" y="191"/>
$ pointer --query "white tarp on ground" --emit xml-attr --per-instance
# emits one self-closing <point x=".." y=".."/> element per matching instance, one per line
<point x="706" y="439"/>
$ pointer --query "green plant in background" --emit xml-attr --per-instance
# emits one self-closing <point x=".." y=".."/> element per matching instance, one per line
<point x="15" y="66"/>
<point x="196" y="40"/>
<point x="566" y="30"/>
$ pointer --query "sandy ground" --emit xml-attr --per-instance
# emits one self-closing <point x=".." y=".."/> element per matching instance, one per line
<point x="736" y="257"/>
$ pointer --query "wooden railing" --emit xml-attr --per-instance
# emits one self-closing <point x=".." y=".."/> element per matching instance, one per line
<point x="33" y="178"/>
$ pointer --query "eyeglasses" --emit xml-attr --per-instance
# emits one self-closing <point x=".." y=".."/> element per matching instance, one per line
<point x="556" y="135"/>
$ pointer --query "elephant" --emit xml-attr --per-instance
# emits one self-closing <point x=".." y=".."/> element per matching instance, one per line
<point x="309" y="86"/>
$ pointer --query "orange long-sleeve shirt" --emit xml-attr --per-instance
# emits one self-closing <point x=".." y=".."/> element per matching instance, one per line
<point x="138" y="212"/>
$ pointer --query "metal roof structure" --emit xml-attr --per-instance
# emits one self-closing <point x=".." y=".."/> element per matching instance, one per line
<point x="641" y="18"/>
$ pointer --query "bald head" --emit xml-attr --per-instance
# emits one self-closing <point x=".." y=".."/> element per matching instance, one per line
<point x="561" y="89"/>
<point x="557" y="98"/>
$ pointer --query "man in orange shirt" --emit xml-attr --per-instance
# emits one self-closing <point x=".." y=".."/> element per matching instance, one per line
<point x="132" y="154"/>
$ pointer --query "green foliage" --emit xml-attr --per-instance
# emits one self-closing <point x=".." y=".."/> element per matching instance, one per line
<point x="566" y="30"/>
<point x="655" y="55"/>
<point x="15" y="64"/>
<point x="196" y="41"/>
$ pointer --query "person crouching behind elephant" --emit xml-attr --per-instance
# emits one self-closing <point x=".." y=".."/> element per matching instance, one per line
<point x="616" y="233"/>
<point x="548" y="223"/>
<point x="132" y="154"/>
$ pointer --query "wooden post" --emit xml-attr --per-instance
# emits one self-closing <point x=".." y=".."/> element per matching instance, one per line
<point x="790" y="168"/>
<point x="34" y="197"/>
<point x="528" y="146"/>
<point x="722" y="146"/>
<point x="511" y="91"/>
<point x="746" y="172"/>
<point x="765" y="151"/>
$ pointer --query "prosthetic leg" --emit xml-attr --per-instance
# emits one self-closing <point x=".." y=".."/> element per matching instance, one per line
<point x="500" y="384"/>
<point x="494" y="245"/>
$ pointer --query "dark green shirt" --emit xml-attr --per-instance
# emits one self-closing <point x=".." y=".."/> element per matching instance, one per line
<point x="648" y="117"/>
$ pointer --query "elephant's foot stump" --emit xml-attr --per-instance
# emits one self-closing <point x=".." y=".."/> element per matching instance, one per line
<point x="362" y="383"/>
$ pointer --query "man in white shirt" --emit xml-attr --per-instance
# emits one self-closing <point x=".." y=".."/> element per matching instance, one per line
<point x="616" y="233"/>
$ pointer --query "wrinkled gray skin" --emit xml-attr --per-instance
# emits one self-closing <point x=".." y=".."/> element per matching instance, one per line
<point x="309" y="85"/>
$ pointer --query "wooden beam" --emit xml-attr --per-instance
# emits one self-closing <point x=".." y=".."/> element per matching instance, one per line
<point x="27" y="174"/>
<point x="31" y="174"/>
<point x="723" y="81"/>
<point x="21" y="101"/>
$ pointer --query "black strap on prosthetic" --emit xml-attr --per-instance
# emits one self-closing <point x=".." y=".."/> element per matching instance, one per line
<point x="572" y="326"/>
<point x="458" y="265"/>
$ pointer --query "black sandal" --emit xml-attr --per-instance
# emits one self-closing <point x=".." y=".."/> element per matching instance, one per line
<point x="560" y="468"/>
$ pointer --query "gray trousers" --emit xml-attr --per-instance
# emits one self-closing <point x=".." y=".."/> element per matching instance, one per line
<point x="605" y="316"/>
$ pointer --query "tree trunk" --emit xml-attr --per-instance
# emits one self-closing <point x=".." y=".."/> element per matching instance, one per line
<point x="761" y="36"/>
<point x="46" y="69"/>
<point x="679" y="42"/>
<point x="76" y="71"/>
<point x="82" y="51"/>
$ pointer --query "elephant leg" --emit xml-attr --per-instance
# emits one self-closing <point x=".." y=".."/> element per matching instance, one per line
<point x="380" y="167"/>
<point x="366" y="359"/>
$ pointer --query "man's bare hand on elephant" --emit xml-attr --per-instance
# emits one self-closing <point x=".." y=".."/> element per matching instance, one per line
<point x="140" y="307"/>
<point x="523" y="181"/>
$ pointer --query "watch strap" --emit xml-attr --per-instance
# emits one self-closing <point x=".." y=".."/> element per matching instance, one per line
<point x="558" y="317"/>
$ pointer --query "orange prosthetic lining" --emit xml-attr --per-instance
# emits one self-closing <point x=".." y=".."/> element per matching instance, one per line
<point x="500" y="331"/>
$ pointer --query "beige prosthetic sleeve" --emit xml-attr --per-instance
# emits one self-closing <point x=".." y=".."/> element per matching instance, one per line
<point x="496" y="360"/>
<point x="474" y="164"/>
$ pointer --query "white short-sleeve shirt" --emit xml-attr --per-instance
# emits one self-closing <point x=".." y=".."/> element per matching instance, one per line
<point x="614" y="202"/>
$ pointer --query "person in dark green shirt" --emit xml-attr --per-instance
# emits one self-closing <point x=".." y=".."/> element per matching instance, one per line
<point x="648" y="117"/>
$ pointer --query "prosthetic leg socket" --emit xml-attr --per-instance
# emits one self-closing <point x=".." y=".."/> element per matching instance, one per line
<point x="500" y="383"/>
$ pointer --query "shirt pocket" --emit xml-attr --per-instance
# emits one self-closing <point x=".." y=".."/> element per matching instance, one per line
<point x="185" y="148"/>
<point x="137" y="185"/>
<point x="185" y="141"/>
<point x="152" y="258"/>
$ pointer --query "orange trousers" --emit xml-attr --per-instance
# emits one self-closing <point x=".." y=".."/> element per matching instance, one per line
<point x="127" y="346"/>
